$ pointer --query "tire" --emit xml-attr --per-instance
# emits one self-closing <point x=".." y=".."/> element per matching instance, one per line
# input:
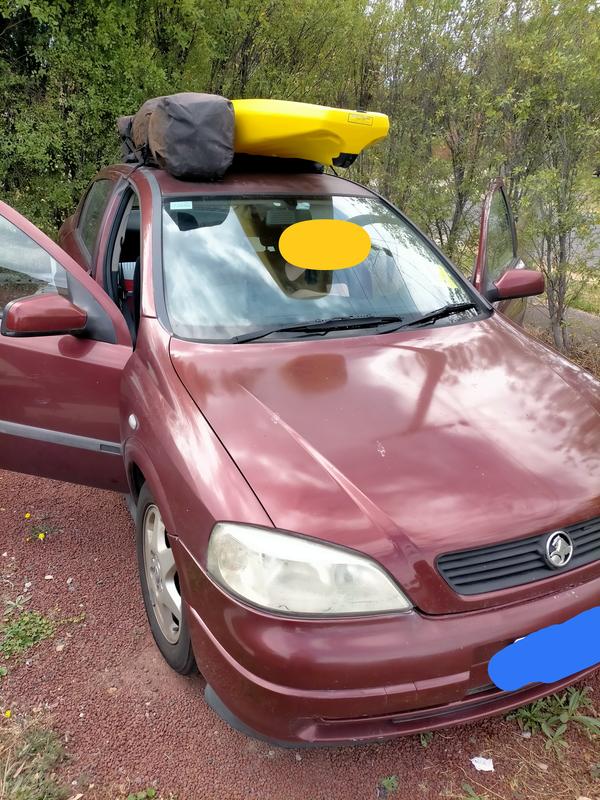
<point x="160" y="586"/>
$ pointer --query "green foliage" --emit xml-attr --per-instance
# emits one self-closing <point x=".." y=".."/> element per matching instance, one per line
<point x="425" y="738"/>
<point x="584" y="288"/>
<point x="553" y="715"/>
<point x="145" y="794"/>
<point x="17" y="605"/>
<point x="388" y="785"/>
<point x="471" y="89"/>
<point x="23" y="632"/>
<point x="150" y="794"/>
<point x="68" y="69"/>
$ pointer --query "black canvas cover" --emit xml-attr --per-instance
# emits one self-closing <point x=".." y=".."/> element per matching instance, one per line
<point x="190" y="135"/>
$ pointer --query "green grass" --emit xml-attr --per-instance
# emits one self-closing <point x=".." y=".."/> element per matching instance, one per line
<point x="588" y="296"/>
<point x="588" y="299"/>
<point x="585" y="285"/>
<point x="29" y="756"/>
<point x="24" y="631"/>
<point x="553" y="715"/>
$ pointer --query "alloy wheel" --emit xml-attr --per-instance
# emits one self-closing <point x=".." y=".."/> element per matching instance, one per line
<point x="161" y="575"/>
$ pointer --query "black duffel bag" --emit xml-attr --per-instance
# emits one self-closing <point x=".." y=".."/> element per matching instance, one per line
<point x="190" y="135"/>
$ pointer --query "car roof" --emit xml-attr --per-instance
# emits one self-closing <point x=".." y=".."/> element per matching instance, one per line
<point x="240" y="183"/>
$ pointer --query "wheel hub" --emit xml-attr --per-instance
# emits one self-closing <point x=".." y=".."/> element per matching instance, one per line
<point x="155" y="572"/>
<point x="161" y="575"/>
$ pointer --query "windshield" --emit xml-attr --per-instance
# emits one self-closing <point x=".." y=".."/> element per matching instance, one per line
<point x="225" y="277"/>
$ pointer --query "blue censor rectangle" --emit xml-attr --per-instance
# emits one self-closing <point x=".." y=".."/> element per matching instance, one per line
<point x="550" y="654"/>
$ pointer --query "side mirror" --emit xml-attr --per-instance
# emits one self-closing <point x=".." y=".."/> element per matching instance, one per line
<point x="517" y="283"/>
<point x="42" y="315"/>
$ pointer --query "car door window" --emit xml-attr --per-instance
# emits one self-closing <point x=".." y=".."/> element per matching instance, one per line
<point x="25" y="267"/>
<point x="500" y="247"/>
<point x="123" y="276"/>
<point x="92" y="212"/>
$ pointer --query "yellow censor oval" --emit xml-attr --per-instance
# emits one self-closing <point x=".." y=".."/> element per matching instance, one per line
<point x="324" y="244"/>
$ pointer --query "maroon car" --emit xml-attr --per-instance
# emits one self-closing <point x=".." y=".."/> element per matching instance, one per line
<point x="347" y="485"/>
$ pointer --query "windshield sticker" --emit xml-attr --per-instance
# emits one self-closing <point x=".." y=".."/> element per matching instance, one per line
<point x="181" y="205"/>
<point x="324" y="244"/>
<point x="446" y="277"/>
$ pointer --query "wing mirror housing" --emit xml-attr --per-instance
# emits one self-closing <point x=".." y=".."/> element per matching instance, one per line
<point x="517" y="283"/>
<point x="42" y="315"/>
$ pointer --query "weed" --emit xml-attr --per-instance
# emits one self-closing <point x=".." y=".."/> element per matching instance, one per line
<point x="3" y="672"/>
<point x="76" y="620"/>
<point x="552" y="716"/>
<point x="145" y="794"/>
<point x="28" y="757"/>
<point x="425" y="738"/>
<point x="470" y="793"/>
<point x="387" y="786"/>
<point x="23" y="632"/>
<point x="38" y="530"/>
<point x="16" y="605"/>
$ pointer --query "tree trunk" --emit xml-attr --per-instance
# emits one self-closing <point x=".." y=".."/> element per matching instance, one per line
<point x="455" y="225"/>
<point x="557" y="335"/>
<point x="562" y="288"/>
<point x="555" y="307"/>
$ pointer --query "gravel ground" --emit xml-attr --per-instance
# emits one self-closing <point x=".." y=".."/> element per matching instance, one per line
<point x="129" y="722"/>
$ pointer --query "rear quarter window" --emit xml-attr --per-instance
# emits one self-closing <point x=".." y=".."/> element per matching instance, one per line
<point x="92" y="212"/>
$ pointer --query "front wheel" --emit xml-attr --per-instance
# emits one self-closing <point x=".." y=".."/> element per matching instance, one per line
<point x="160" y="586"/>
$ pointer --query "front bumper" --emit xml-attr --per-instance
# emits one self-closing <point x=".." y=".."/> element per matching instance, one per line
<point x="320" y="681"/>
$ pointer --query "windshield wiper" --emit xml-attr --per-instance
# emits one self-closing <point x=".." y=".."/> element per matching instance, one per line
<point x="321" y="326"/>
<point x="440" y="313"/>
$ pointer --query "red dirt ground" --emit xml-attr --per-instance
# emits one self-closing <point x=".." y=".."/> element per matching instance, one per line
<point x="129" y="722"/>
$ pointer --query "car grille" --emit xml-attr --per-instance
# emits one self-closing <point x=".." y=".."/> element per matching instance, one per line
<point x="513" y="563"/>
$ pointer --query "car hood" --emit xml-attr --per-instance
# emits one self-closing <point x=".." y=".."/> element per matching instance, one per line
<point x="408" y="445"/>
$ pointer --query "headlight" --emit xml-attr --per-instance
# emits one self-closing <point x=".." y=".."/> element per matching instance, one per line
<point x="294" y="575"/>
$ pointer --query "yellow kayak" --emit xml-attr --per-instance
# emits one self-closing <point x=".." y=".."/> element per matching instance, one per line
<point x="303" y="130"/>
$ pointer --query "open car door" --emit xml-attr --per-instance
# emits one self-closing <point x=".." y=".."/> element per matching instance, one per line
<point x="63" y="347"/>
<point x="497" y="251"/>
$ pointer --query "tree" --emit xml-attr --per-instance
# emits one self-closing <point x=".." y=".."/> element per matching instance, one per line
<point x="551" y="109"/>
<point x="67" y="69"/>
<point x="471" y="89"/>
